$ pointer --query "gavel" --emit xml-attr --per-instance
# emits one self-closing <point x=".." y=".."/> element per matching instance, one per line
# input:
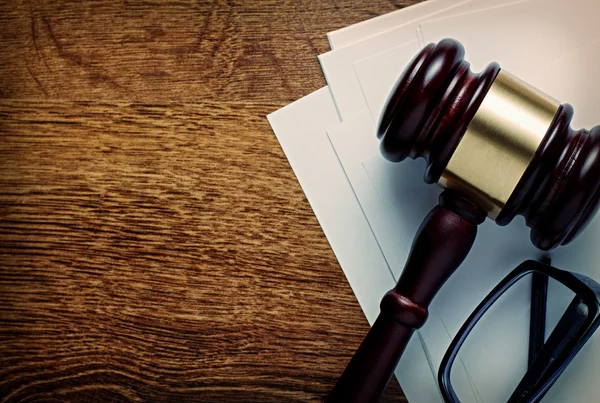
<point x="499" y="148"/>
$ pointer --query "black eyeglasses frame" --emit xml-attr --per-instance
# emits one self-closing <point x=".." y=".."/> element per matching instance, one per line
<point x="588" y="292"/>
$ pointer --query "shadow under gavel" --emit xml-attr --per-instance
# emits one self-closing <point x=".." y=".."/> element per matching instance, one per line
<point x="500" y="148"/>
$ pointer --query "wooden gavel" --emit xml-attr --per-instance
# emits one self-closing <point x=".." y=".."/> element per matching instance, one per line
<point x="499" y="148"/>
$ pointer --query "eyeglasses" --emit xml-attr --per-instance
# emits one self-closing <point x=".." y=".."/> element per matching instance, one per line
<point x="572" y="316"/>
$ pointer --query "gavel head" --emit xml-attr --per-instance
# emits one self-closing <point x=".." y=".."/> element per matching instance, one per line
<point x="504" y="144"/>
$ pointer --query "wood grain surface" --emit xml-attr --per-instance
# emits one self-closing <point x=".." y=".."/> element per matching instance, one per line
<point x="155" y="244"/>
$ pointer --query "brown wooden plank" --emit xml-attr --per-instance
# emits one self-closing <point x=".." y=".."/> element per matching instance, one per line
<point x="260" y="51"/>
<point x="154" y="252"/>
<point x="162" y="250"/>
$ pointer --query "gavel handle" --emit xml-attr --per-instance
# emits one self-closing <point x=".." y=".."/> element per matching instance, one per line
<point x="440" y="246"/>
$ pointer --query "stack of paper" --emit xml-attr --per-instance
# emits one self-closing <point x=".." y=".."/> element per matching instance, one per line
<point x="370" y="209"/>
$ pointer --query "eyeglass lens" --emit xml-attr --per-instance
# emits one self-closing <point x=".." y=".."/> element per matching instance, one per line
<point x="512" y="346"/>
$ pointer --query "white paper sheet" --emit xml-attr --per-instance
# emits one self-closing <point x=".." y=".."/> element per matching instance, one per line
<point x="378" y="74"/>
<point x="338" y="64"/>
<point x="520" y="37"/>
<point x="300" y="129"/>
<point x="575" y="79"/>
<point x="374" y="26"/>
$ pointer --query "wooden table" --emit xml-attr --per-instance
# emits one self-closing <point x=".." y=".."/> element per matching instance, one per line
<point x="155" y="244"/>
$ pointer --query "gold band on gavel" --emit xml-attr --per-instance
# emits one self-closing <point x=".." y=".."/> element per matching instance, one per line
<point x="500" y="142"/>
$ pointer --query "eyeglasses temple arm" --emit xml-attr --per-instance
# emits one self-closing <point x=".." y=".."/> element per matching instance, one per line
<point x="564" y="336"/>
<point x="537" y="323"/>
